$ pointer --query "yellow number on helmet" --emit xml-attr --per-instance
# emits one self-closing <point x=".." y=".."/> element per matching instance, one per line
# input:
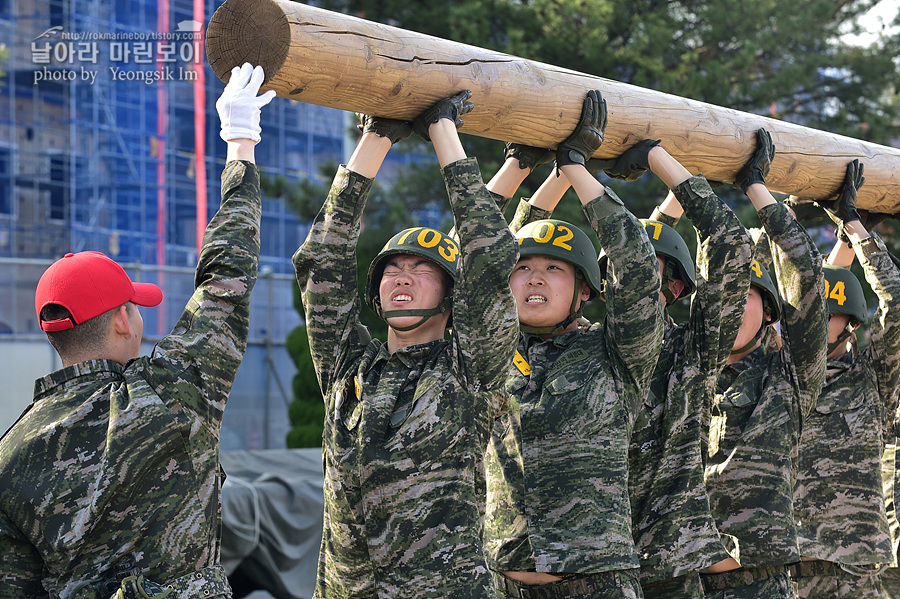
<point x="657" y="229"/>
<point x="450" y="252"/>
<point x="756" y="268"/>
<point x="402" y="240"/>
<point x="424" y="240"/>
<point x="545" y="233"/>
<point x="567" y="235"/>
<point x="837" y="293"/>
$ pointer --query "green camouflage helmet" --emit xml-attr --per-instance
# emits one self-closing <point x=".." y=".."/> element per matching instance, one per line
<point x="667" y="242"/>
<point x="759" y="276"/>
<point x="418" y="241"/>
<point x="844" y="294"/>
<point x="559" y="239"/>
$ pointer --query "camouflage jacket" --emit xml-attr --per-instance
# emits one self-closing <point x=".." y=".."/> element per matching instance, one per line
<point x="839" y="498"/>
<point x="117" y="466"/>
<point x="673" y="527"/>
<point x="557" y="467"/>
<point x="762" y="401"/>
<point x="405" y="433"/>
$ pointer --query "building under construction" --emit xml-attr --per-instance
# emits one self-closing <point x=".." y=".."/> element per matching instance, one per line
<point x="109" y="141"/>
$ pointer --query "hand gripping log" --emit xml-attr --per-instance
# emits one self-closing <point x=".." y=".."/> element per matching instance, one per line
<point x="331" y="59"/>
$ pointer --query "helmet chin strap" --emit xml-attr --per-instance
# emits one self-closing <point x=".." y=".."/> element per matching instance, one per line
<point x="756" y="337"/>
<point x="668" y="276"/>
<point x="842" y="338"/>
<point x="426" y="313"/>
<point x="750" y="343"/>
<point x="574" y="314"/>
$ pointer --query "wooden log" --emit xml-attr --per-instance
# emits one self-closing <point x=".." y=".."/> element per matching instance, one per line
<point x="331" y="59"/>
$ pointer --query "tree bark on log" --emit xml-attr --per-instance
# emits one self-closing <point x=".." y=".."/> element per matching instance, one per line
<point x="331" y="59"/>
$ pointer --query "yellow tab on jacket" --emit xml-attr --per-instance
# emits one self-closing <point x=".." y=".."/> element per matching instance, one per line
<point x="357" y="387"/>
<point x="521" y="364"/>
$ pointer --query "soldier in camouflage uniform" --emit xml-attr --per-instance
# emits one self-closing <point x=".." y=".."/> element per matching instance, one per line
<point x="762" y="401"/>
<point x="111" y="479"/>
<point x="674" y="530"/>
<point x="558" y="517"/>
<point x="839" y="501"/>
<point x="407" y="421"/>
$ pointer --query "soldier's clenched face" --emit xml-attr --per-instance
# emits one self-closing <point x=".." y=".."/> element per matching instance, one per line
<point x="543" y="288"/>
<point x="411" y="282"/>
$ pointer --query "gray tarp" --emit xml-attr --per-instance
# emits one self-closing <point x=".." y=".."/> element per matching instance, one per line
<point x="272" y="518"/>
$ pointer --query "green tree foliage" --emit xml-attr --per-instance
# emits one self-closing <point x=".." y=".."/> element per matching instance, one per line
<point x="4" y="59"/>
<point x="787" y="60"/>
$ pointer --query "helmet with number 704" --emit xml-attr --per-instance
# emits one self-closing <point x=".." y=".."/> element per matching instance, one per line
<point x="844" y="294"/>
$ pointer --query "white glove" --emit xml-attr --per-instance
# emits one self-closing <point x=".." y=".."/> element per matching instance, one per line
<point x="239" y="106"/>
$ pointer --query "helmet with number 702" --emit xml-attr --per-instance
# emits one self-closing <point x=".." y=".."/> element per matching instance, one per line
<point x="562" y="240"/>
<point x="844" y="294"/>
<point x="418" y="241"/>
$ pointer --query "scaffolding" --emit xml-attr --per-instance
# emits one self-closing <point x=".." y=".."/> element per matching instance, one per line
<point x="97" y="152"/>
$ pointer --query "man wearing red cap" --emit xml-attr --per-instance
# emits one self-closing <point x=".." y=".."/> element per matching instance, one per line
<point x="110" y="480"/>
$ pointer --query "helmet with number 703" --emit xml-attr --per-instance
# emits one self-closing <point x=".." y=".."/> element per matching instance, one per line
<point x="562" y="240"/>
<point x="844" y="294"/>
<point x="418" y="241"/>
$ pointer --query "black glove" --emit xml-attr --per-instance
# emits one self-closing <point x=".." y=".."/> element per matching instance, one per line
<point x="595" y="165"/>
<point x="588" y="134"/>
<point x="842" y="209"/>
<point x="390" y="128"/>
<point x="757" y="167"/>
<point x="529" y="157"/>
<point x="869" y="221"/>
<point x="634" y="162"/>
<point x="451" y="108"/>
<point x="806" y="211"/>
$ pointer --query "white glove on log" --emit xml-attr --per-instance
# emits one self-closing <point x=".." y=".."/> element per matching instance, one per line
<point x="239" y="106"/>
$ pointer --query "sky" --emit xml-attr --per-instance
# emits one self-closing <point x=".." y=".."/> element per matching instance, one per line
<point x="881" y="19"/>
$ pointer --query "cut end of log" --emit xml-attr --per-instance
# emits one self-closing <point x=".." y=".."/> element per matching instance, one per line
<point x="254" y="31"/>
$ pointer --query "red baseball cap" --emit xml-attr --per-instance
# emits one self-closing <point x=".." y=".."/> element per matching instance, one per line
<point x="88" y="284"/>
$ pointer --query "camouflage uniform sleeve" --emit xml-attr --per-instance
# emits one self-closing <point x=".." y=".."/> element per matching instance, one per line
<point x="884" y="278"/>
<point x="526" y="213"/>
<point x="634" y="316"/>
<point x="485" y="320"/>
<point x="20" y="576"/>
<point x="501" y="201"/>
<point x="210" y="337"/>
<point x="762" y="253"/>
<point x="664" y="218"/>
<point x="723" y="271"/>
<point x="801" y="283"/>
<point x="326" y="271"/>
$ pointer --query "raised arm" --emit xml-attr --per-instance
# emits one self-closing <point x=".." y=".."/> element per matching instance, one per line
<point x="723" y="256"/>
<point x="634" y="315"/>
<point x="882" y="275"/>
<point x="801" y="283"/>
<point x="485" y="321"/>
<point x="210" y="337"/>
<point x="325" y="264"/>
